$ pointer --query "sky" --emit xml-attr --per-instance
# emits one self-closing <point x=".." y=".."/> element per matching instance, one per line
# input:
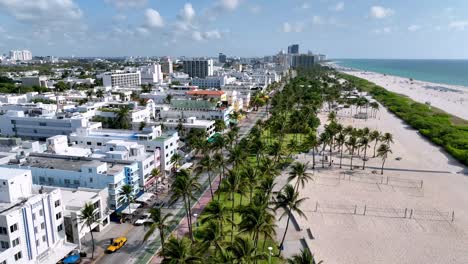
<point x="405" y="29"/>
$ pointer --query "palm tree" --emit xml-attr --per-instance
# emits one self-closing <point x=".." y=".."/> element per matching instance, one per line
<point x="176" y="159"/>
<point x="89" y="216"/>
<point x="215" y="211"/>
<point x="288" y="200"/>
<point x="213" y="235"/>
<point x="364" y="142"/>
<point x="208" y="165"/>
<point x="181" y="251"/>
<point x="100" y="94"/>
<point x="324" y="139"/>
<point x="299" y="173"/>
<point x="305" y="257"/>
<point x="387" y="138"/>
<point x="244" y="251"/>
<point x="183" y="188"/>
<point x="383" y="152"/>
<point x="313" y="143"/>
<point x="123" y="118"/>
<point x="232" y="185"/>
<point x="89" y="94"/>
<point x="375" y="108"/>
<point x="159" y="221"/>
<point x="374" y="136"/>
<point x="352" y="144"/>
<point x="127" y="196"/>
<point x="168" y="98"/>
<point x="340" y="140"/>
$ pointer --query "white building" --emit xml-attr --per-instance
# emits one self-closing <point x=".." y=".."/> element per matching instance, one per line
<point x="201" y="109"/>
<point x="151" y="137"/>
<point x="166" y="65"/>
<point x="31" y="81"/>
<point x="212" y="81"/>
<point x="20" y="55"/>
<point x="31" y="221"/>
<point x="200" y="68"/>
<point x="121" y="79"/>
<point x="16" y="123"/>
<point x="151" y="74"/>
<point x="189" y="124"/>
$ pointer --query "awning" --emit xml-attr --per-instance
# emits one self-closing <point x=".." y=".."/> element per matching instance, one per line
<point x="144" y="198"/>
<point x="133" y="207"/>
<point x="185" y="166"/>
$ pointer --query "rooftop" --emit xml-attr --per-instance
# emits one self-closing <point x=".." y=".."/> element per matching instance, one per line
<point x="193" y="104"/>
<point x="205" y="92"/>
<point x="7" y="173"/>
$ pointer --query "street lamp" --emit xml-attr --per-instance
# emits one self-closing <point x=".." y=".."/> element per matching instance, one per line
<point x="270" y="254"/>
<point x="196" y="222"/>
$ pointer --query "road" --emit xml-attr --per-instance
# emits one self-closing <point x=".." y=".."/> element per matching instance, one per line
<point x="135" y="248"/>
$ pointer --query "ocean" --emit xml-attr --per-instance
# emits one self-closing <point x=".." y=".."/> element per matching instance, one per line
<point x="454" y="72"/>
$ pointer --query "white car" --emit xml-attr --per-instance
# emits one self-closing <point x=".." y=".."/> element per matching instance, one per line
<point x="143" y="219"/>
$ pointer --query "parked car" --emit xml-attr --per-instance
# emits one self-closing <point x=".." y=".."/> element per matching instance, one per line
<point x="142" y="219"/>
<point x="116" y="244"/>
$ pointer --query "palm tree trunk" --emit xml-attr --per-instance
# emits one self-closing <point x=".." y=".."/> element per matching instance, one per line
<point x="92" y="241"/>
<point x="331" y="149"/>
<point x="285" y="231"/>
<point x="375" y="146"/>
<point x="341" y="155"/>
<point x="211" y="187"/>
<point x="313" y="158"/>
<point x="161" y="235"/>
<point x="383" y="163"/>
<point x="232" y="217"/>
<point x="351" y="164"/>
<point x="364" y="159"/>
<point x="187" y="214"/>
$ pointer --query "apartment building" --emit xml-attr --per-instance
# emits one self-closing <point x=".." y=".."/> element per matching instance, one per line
<point x="201" y="109"/>
<point x="31" y="220"/>
<point x="200" y="68"/>
<point x="121" y="79"/>
<point x="151" y="74"/>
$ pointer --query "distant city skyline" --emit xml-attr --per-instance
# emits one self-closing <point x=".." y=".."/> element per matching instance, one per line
<point x="248" y="28"/>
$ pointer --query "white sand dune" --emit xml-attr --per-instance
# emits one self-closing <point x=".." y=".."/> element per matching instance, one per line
<point x="450" y="98"/>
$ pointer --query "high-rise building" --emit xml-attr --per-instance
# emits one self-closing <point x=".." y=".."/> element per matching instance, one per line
<point x="200" y="68"/>
<point x="20" y="55"/>
<point x="303" y="61"/>
<point x="166" y="65"/>
<point x="293" y="49"/>
<point x="151" y="74"/>
<point x="222" y="58"/>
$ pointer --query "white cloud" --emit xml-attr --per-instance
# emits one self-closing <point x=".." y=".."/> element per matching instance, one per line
<point x="187" y="13"/>
<point x="458" y="25"/>
<point x="230" y="4"/>
<point x="119" y="17"/>
<point x="305" y="6"/>
<point x="385" y="30"/>
<point x="213" y="34"/>
<point x="2" y="30"/>
<point x="153" y="19"/>
<point x="42" y="10"/>
<point x="293" y="27"/>
<point x="381" y="12"/>
<point x="126" y="3"/>
<point x="197" y="35"/>
<point x="317" y="20"/>
<point x="339" y="7"/>
<point x="255" y="9"/>
<point x="414" y="28"/>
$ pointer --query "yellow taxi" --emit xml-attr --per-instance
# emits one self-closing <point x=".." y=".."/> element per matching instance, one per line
<point x="116" y="244"/>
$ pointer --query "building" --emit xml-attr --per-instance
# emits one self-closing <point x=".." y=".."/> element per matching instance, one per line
<point x="31" y="81"/>
<point x="303" y="61"/>
<point x="20" y="55"/>
<point x="121" y="79"/>
<point x="31" y="220"/>
<point x="164" y="145"/>
<point x="151" y="74"/>
<point x="166" y="65"/>
<point x="201" y="109"/>
<point x="222" y="58"/>
<point x="17" y="124"/>
<point x="208" y="94"/>
<point x="73" y="202"/>
<point x="200" y="68"/>
<point x="293" y="49"/>
<point x="183" y="127"/>
<point x="212" y="81"/>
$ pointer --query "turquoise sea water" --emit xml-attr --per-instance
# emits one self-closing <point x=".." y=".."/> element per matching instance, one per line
<point x="453" y="72"/>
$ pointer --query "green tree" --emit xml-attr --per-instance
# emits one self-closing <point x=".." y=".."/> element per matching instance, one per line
<point x="299" y="173"/>
<point x="126" y="195"/>
<point x="383" y="152"/>
<point x="244" y="251"/>
<point x="208" y="165"/>
<point x="158" y="221"/>
<point x="288" y="200"/>
<point x="123" y="117"/>
<point x="181" y="251"/>
<point x="364" y="142"/>
<point x="89" y="216"/>
<point x="375" y="136"/>
<point x="305" y="257"/>
<point x="352" y="144"/>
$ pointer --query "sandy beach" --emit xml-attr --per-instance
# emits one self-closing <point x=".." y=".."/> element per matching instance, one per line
<point x="416" y="212"/>
<point x="450" y="98"/>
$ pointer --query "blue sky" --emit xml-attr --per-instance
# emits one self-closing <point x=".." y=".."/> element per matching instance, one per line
<point x="340" y="28"/>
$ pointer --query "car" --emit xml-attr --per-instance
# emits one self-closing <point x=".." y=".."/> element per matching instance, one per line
<point x="142" y="219"/>
<point x="116" y="244"/>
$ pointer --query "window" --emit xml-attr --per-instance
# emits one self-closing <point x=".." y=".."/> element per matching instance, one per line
<point x="43" y="238"/>
<point x="3" y="262"/>
<point x="41" y="179"/>
<point x="35" y="131"/>
<point x="99" y="144"/>
<point x="13" y="228"/>
<point x="3" y="230"/>
<point x="76" y="182"/>
<point x="59" y="228"/>
<point x="90" y="170"/>
<point x="35" y="229"/>
<point x="37" y="243"/>
<point x="15" y="242"/>
<point x="42" y="124"/>
<point x="4" y="244"/>
<point x="66" y="181"/>
<point x="41" y="212"/>
<point x="18" y="256"/>
<point x="58" y="216"/>
<point x="57" y="203"/>
<point x="90" y="179"/>
<point x="42" y="225"/>
<point x="88" y="143"/>
<point x="34" y="216"/>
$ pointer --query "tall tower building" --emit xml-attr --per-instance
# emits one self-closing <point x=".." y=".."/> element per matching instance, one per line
<point x="293" y="49"/>
<point x="200" y="68"/>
